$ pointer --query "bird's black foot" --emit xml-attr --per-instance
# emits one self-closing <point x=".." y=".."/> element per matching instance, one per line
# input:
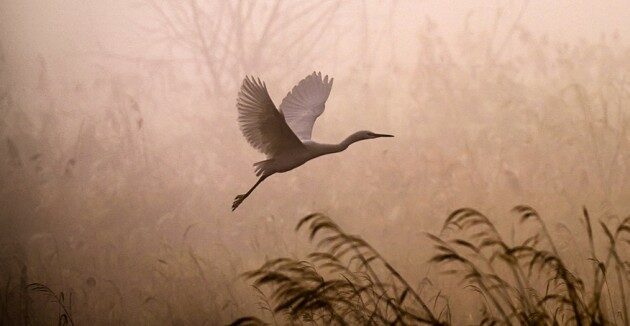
<point x="237" y="201"/>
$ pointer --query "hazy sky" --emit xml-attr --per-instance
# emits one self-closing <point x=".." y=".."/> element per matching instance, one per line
<point x="122" y="156"/>
<point x="63" y="28"/>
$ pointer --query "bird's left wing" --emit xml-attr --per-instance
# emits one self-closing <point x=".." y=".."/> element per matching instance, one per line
<point x="262" y="125"/>
<point x="305" y="103"/>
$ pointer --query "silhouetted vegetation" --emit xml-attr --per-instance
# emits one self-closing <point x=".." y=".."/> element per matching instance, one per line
<point x="347" y="282"/>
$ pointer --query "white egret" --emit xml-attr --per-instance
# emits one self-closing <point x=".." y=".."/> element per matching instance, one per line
<point x="285" y="135"/>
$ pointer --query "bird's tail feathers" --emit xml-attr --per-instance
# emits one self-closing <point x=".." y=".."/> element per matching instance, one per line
<point x="263" y="167"/>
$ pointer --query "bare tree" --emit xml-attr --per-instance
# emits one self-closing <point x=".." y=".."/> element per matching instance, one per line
<point x="226" y="39"/>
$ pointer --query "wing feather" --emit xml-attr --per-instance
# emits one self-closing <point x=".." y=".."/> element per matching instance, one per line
<point x="305" y="102"/>
<point x="262" y="124"/>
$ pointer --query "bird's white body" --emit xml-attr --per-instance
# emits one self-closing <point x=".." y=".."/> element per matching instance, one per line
<point x="289" y="160"/>
<point x="285" y="135"/>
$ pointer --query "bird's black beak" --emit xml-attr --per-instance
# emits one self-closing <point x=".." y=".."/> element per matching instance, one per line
<point x="382" y="135"/>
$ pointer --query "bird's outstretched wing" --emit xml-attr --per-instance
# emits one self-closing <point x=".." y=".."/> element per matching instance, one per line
<point x="261" y="123"/>
<point x="305" y="102"/>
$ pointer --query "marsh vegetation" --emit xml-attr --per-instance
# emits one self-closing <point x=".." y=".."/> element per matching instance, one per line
<point x="347" y="281"/>
<point x="120" y="157"/>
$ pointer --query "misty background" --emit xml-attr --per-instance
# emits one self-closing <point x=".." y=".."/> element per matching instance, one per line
<point x="121" y="153"/>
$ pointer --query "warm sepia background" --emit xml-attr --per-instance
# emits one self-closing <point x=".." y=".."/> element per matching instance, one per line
<point x="121" y="155"/>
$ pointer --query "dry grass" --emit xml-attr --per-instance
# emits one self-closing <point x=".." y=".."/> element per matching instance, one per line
<point x="347" y="282"/>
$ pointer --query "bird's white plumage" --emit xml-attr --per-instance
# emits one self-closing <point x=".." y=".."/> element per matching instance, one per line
<point x="305" y="102"/>
<point x="276" y="133"/>
<point x="262" y="125"/>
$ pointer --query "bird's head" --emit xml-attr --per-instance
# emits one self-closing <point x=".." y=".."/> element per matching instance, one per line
<point x="366" y="134"/>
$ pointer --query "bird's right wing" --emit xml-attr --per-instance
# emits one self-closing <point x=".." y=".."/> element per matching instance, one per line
<point x="305" y="103"/>
<point x="261" y="123"/>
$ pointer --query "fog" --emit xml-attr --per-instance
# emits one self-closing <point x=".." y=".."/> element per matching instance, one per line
<point x="121" y="153"/>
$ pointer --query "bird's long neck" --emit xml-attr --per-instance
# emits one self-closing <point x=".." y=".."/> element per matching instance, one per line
<point x="347" y="142"/>
<point x="324" y="149"/>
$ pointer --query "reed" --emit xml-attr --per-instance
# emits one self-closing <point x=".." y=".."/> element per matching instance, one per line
<point x="347" y="281"/>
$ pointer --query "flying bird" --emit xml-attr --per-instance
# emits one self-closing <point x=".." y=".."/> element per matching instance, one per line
<point x="285" y="135"/>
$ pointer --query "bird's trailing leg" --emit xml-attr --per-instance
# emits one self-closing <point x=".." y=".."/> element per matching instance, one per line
<point x="240" y="198"/>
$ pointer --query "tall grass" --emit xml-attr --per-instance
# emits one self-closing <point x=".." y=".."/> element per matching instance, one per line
<point x="115" y="185"/>
<point x="347" y="281"/>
